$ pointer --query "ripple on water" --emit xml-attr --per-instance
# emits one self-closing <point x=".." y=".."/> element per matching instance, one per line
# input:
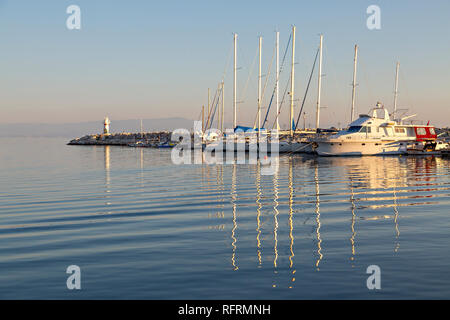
<point x="140" y="227"/>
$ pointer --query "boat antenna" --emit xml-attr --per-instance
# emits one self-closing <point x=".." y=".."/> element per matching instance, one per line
<point x="355" y="60"/>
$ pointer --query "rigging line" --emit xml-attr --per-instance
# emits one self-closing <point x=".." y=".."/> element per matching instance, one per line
<point x="244" y="92"/>
<point x="364" y="72"/>
<point x="282" y="101"/>
<point x="307" y="88"/>
<point x="265" y="85"/>
<point x="408" y="97"/>
<point x="333" y="71"/>
<point x="215" y="107"/>
<point x="278" y="76"/>
<point x="264" y="88"/>
<point x="227" y="64"/>
<point x="209" y="114"/>
<point x="268" y="74"/>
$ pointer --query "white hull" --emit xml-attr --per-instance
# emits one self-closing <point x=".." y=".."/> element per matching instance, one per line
<point x="360" y="148"/>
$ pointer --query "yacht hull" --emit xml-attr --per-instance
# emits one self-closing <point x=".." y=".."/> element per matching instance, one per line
<point x="361" y="148"/>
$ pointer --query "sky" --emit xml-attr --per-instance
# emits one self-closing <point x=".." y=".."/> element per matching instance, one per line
<point x="157" y="59"/>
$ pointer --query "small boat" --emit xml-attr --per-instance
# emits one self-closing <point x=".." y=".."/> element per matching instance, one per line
<point x="427" y="148"/>
<point x="167" y="144"/>
<point x="139" y="144"/>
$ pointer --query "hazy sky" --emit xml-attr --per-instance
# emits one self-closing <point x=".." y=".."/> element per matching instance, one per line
<point x="155" y="59"/>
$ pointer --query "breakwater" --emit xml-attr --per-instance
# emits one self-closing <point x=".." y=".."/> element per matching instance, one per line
<point x="122" y="139"/>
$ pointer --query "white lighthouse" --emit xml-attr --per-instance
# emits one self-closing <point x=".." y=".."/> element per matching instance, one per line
<point x="106" y="124"/>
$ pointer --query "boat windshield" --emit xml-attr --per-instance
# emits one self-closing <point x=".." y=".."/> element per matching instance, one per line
<point x="354" y="129"/>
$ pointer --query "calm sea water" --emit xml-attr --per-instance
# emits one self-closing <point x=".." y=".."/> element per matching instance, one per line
<point x="142" y="228"/>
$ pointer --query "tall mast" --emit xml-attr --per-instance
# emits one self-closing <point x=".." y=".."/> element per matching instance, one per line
<point x="259" y="86"/>
<point x="223" y="106"/>
<point x="209" y="99"/>
<point x="234" y="81"/>
<point x="355" y="60"/>
<point x="219" y="89"/>
<point x="291" y="117"/>
<point x="319" y="85"/>
<point x="203" y="119"/>
<point x="396" y="90"/>
<point x="277" y="44"/>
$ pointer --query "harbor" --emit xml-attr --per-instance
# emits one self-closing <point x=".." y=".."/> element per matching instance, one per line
<point x="215" y="157"/>
<point x="380" y="131"/>
<point x="305" y="141"/>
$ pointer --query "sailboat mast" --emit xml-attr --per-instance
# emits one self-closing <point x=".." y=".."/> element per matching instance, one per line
<point x="259" y="86"/>
<point x="277" y="45"/>
<point x="319" y="85"/>
<point x="234" y="81"/>
<point x="219" y="89"/>
<point x="291" y="116"/>
<point x="203" y="119"/>
<point x="355" y="60"/>
<point x="223" y="106"/>
<point x="209" y="102"/>
<point x="396" y="89"/>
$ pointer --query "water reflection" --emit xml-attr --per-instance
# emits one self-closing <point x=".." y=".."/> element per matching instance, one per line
<point x="107" y="161"/>
<point x="233" y="201"/>
<point x="291" y="222"/>
<point x="319" y="240"/>
<point x="361" y="192"/>
<point x="258" y="213"/>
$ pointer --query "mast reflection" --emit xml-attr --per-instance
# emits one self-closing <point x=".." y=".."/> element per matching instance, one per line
<point x="275" y="217"/>
<point x="369" y="188"/>
<point x="258" y="212"/>
<point x="291" y="224"/>
<point x="233" y="201"/>
<point x="352" y="238"/>
<point x="318" y="224"/>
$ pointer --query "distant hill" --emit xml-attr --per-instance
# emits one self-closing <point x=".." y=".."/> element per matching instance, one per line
<point x="73" y="130"/>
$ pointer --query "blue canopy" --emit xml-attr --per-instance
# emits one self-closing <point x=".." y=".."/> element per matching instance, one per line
<point x="246" y="129"/>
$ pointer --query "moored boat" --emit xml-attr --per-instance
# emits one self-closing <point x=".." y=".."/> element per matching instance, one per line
<point x="374" y="134"/>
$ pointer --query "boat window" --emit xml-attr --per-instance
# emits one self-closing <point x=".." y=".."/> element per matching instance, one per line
<point x="421" y="131"/>
<point x="354" y="129"/>
<point x="399" y="130"/>
<point x="432" y="131"/>
<point x="369" y="129"/>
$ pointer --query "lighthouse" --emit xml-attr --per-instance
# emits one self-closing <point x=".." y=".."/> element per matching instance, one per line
<point x="106" y="126"/>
